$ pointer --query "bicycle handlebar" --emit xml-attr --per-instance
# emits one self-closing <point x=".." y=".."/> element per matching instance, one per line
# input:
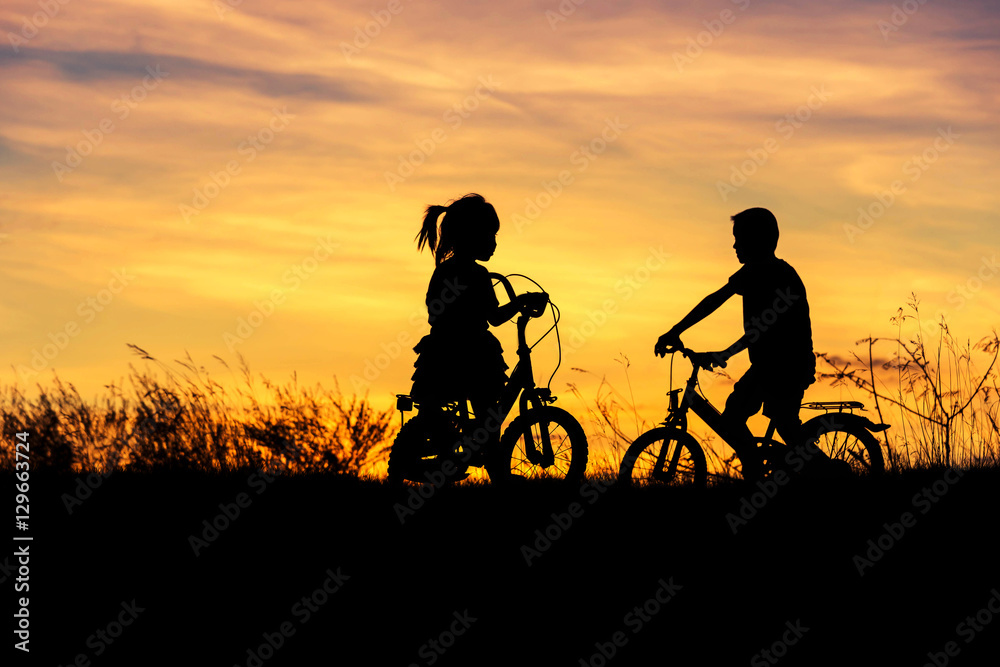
<point x="687" y="352"/>
<point x="532" y="306"/>
<point x="506" y="285"/>
<point x="690" y="355"/>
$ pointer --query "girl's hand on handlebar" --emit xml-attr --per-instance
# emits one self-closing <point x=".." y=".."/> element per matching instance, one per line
<point x="532" y="303"/>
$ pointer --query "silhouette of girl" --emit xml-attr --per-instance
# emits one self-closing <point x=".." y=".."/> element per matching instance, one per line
<point x="460" y="359"/>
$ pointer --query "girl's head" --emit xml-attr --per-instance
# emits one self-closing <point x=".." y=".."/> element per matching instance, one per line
<point x="469" y="229"/>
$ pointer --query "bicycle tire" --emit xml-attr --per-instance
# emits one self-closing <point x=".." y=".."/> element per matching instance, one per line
<point x="640" y="459"/>
<point x="418" y="451"/>
<point x="855" y="444"/>
<point x="569" y="444"/>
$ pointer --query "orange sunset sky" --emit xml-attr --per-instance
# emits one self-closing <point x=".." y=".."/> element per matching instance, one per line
<point x="170" y="167"/>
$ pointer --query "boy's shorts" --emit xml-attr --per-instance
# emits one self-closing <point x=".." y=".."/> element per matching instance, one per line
<point x="780" y="396"/>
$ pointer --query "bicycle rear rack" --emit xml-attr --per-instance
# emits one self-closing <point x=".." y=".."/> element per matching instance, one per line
<point x="839" y="406"/>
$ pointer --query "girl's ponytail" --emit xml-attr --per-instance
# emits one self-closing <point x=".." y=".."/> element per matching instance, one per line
<point x="468" y="217"/>
<point x="429" y="230"/>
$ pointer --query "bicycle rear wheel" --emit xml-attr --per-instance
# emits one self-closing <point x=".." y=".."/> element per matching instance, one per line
<point x="682" y="462"/>
<point x="520" y="447"/>
<point x="420" y="451"/>
<point x="843" y="437"/>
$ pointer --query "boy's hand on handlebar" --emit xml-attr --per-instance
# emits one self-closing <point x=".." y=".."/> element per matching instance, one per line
<point x="666" y="343"/>
<point x="710" y="360"/>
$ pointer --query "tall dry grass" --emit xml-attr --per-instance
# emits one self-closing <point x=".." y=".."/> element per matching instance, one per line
<point x="613" y="422"/>
<point x="943" y="409"/>
<point x="181" y="417"/>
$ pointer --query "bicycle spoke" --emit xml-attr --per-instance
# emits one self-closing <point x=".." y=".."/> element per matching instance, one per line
<point x="646" y="472"/>
<point x="561" y="449"/>
<point x="839" y="445"/>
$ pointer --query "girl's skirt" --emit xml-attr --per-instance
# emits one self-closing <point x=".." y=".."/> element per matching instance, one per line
<point x="456" y="367"/>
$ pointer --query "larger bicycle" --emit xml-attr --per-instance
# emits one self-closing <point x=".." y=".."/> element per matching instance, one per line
<point x="670" y="455"/>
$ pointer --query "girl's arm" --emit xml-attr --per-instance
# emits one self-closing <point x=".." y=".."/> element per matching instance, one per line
<point x="503" y="313"/>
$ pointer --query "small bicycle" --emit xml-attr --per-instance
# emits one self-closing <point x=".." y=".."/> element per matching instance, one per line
<point x="441" y="442"/>
<point x="669" y="455"/>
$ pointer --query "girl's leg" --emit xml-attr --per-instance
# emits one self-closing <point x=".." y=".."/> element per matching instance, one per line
<point x="486" y="408"/>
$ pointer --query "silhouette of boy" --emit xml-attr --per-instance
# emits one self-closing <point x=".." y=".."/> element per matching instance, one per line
<point x="777" y="332"/>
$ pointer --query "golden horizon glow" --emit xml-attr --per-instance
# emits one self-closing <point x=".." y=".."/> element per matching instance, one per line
<point x="252" y="171"/>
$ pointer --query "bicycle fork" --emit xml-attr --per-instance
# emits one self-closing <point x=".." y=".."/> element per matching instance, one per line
<point x="659" y="473"/>
<point x="544" y="456"/>
<point x="667" y="475"/>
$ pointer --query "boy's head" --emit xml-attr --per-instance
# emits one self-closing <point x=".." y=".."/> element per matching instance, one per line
<point x="756" y="234"/>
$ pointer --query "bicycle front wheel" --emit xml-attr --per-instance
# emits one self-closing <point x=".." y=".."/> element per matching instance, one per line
<point x="521" y="454"/>
<point x="664" y="456"/>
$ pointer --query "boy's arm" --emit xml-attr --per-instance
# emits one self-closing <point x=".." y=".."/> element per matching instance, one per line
<point x="711" y="359"/>
<point x="706" y="307"/>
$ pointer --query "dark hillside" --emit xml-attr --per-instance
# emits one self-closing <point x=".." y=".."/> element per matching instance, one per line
<point x="660" y="572"/>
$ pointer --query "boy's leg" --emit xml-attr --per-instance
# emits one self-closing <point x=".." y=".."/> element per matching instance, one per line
<point x="783" y="409"/>
<point x="745" y="401"/>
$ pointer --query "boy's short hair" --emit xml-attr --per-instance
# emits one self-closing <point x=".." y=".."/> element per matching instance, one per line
<point x="761" y="223"/>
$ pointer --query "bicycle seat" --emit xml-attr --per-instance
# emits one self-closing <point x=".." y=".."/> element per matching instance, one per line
<point x="834" y="405"/>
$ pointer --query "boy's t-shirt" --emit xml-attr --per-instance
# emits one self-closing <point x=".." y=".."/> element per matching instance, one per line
<point x="776" y="320"/>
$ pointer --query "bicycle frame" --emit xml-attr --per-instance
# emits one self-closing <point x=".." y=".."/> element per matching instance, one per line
<point x="521" y="388"/>
<point x="677" y="417"/>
